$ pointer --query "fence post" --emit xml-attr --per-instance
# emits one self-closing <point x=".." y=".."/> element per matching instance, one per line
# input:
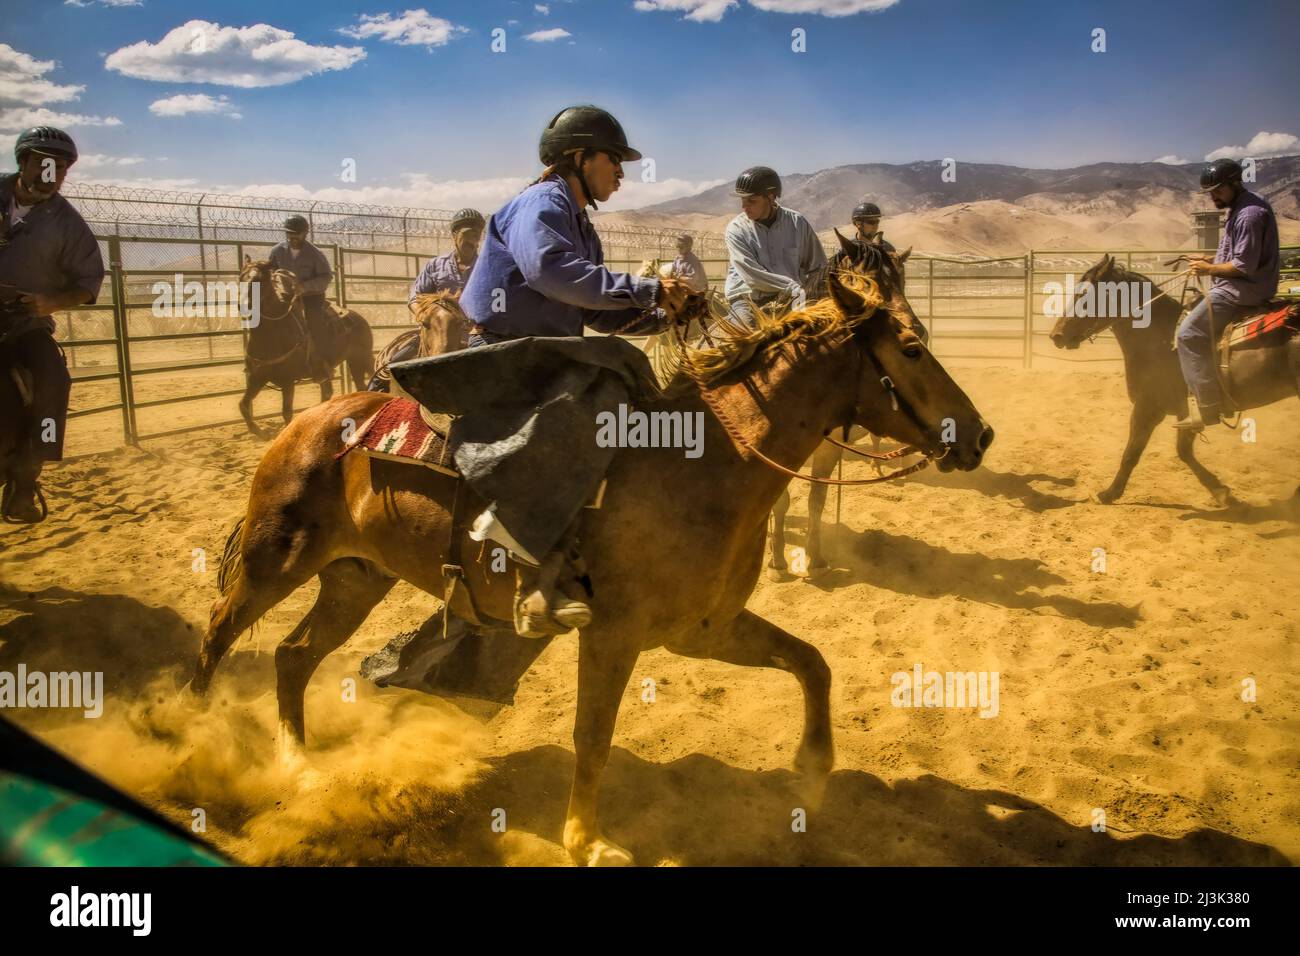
<point x="341" y="296"/>
<point x="121" y="332"/>
<point x="1029" y="309"/>
<point x="929" y="300"/>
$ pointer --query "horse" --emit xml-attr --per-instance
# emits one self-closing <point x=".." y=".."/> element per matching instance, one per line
<point x="674" y="552"/>
<point x="1154" y="377"/>
<point x="858" y="257"/>
<point x="443" y="327"/>
<point x="276" y="349"/>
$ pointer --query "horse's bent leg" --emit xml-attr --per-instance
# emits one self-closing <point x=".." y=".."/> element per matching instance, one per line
<point x="1187" y="452"/>
<point x="825" y="458"/>
<point x="232" y="615"/>
<point x="605" y="662"/>
<point x="349" y="590"/>
<point x="254" y="383"/>
<point x="751" y="641"/>
<point x="286" y="401"/>
<point x="1142" y="422"/>
<point x="777" y="566"/>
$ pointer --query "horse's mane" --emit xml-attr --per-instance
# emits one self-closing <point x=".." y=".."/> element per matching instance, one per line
<point x="424" y="305"/>
<point x="738" y="346"/>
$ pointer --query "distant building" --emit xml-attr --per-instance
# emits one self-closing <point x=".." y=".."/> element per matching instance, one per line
<point x="1206" y="227"/>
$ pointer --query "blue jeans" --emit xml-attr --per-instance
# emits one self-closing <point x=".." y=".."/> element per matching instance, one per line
<point x="1197" y="342"/>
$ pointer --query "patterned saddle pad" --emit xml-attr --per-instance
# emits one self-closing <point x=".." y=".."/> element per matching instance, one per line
<point x="403" y="430"/>
<point x="1248" y="331"/>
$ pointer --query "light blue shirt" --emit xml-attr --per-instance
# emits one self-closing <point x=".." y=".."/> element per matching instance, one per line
<point x="769" y="261"/>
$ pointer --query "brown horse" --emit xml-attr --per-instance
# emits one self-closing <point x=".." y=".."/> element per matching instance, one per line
<point x="276" y="349"/>
<point x="1154" y="377"/>
<point x="15" y="414"/>
<point x="674" y="552"/>
<point x="442" y="327"/>
<point x="889" y="266"/>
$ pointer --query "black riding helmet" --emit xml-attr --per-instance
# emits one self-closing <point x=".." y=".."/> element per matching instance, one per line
<point x="866" y="210"/>
<point x="466" y="217"/>
<point x="45" y="141"/>
<point x="583" y="127"/>
<point x="296" y="224"/>
<point x="757" y="179"/>
<point x="1219" y="172"/>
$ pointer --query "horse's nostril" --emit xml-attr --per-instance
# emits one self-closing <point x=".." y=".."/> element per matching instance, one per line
<point x="986" y="438"/>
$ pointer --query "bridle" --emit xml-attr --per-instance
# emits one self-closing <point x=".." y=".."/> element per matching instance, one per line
<point x="862" y="353"/>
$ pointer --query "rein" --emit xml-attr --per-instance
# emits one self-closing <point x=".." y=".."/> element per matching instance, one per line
<point x="292" y="307"/>
<point x="734" y="432"/>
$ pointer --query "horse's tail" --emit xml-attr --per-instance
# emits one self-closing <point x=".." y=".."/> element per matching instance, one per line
<point x="232" y="562"/>
<point x="360" y="350"/>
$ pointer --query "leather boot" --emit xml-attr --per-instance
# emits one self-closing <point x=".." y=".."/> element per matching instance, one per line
<point x="542" y="606"/>
<point x="22" y="501"/>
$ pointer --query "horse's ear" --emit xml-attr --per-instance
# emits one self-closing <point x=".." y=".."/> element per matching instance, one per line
<point x="248" y="260"/>
<point x="847" y="300"/>
<point x="1106" y="262"/>
<point x="846" y="245"/>
<point x="902" y="256"/>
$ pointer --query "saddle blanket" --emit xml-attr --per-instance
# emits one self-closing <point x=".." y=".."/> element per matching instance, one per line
<point x="402" y="430"/>
<point x="1256" y="327"/>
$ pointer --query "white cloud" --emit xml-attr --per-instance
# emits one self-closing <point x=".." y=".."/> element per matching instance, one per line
<point x="87" y="161"/>
<point x="826" y="8"/>
<point x="247" y="57"/>
<point x="701" y="11"/>
<point x="23" y="82"/>
<point x="103" y="3"/>
<point x="633" y="194"/>
<point x="19" y="118"/>
<point x="1262" y="144"/>
<point x="184" y="103"/>
<point x="412" y="28"/>
<point x="546" y="36"/>
<point x="542" y="8"/>
<point x="1171" y="160"/>
<point x="711" y="11"/>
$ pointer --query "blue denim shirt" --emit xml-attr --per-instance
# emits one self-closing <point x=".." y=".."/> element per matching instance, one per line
<point x="311" y="266"/>
<point x="440" y="274"/>
<point x="541" y="272"/>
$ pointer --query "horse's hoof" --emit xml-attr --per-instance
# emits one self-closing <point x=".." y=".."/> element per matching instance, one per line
<point x="603" y="853"/>
<point x="290" y="753"/>
<point x="1223" y="498"/>
<point x="779" y="574"/>
<point x="1106" y="497"/>
<point x="818" y="571"/>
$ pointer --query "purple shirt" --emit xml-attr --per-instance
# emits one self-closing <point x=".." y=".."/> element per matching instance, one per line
<point x="689" y="267"/>
<point x="1250" y="243"/>
<point x="440" y="274"/>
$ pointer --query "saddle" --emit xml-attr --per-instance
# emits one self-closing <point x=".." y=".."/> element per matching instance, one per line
<point x="1271" y="325"/>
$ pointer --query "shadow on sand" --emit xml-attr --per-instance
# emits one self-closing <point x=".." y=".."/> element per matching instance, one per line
<point x="698" y="811"/>
<point x="909" y="565"/>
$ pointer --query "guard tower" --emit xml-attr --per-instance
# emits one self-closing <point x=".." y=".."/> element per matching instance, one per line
<point x="1206" y="227"/>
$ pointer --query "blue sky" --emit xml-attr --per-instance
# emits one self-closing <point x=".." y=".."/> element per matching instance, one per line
<point x="444" y="117"/>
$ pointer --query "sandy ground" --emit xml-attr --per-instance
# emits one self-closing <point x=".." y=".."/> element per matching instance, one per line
<point x="1119" y="691"/>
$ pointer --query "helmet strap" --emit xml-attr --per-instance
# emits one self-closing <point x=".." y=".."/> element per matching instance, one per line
<point x="577" y="169"/>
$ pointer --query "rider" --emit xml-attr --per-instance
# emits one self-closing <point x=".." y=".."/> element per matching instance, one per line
<point x="49" y="261"/>
<point x="1245" y="273"/>
<point x="776" y="256"/>
<point x="312" y="268"/>
<point x="450" y="272"/>
<point x="688" y="266"/>
<point x="541" y="273"/>
<point x="445" y="273"/>
<point x="866" y="219"/>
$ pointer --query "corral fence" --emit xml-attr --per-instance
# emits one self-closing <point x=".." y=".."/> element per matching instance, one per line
<point x="138" y="375"/>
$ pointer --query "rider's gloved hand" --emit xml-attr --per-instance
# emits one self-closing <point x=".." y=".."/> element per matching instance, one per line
<point x="673" y="295"/>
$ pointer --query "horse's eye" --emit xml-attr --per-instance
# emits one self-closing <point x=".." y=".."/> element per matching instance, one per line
<point x="913" y="351"/>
